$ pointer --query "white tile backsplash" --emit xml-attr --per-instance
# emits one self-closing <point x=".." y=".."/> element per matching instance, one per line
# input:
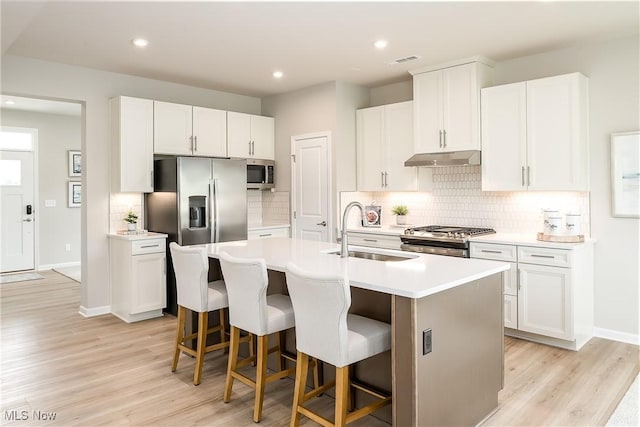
<point x="266" y="207"/>
<point x="119" y="205"/>
<point x="457" y="199"/>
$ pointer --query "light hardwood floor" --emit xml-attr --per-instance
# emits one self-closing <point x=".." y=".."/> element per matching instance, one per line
<point x="102" y="371"/>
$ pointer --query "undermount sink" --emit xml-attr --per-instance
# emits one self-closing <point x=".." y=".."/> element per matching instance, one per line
<point x="374" y="256"/>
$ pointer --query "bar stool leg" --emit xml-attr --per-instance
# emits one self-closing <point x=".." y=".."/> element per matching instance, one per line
<point x="203" y="325"/>
<point x="252" y="349"/>
<point x="302" y="367"/>
<point x="279" y="342"/>
<point x="261" y="374"/>
<point x="223" y="326"/>
<point x="233" y="361"/>
<point x="179" y="337"/>
<point x="342" y="393"/>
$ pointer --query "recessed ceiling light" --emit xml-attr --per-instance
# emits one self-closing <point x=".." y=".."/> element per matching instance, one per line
<point x="380" y="44"/>
<point x="140" y="42"/>
<point x="9" y="102"/>
<point x="278" y="74"/>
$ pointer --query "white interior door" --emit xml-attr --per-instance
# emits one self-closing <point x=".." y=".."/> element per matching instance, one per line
<point x="17" y="208"/>
<point x="310" y="179"/>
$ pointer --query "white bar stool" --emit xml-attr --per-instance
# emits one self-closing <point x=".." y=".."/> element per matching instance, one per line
<point x="194" y="293"/>
<point x="326" y="331"/>
<point x="252" y="310"/>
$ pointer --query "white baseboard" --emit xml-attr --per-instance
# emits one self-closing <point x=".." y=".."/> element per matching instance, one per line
<point x="94" y="311"/>
<point x="617" y="336"/>
<point x="60" y="265"/>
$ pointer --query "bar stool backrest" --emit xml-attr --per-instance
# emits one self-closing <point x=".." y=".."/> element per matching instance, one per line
<point x="246" y="280"/>
<point x="320" y="305"/>
<point x="191" y="266"/>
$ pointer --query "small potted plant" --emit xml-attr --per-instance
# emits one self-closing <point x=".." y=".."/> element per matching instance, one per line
<point x="400" y="211"/>
<point x="131" y="219"/>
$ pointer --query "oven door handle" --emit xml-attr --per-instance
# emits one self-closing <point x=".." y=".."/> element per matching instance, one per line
<point x="435" y="250"/>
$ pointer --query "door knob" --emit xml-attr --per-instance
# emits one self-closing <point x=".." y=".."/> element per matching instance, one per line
<point x="323" y="223"/>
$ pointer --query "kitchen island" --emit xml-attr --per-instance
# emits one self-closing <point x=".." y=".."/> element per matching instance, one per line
<point x="446" y="361"/>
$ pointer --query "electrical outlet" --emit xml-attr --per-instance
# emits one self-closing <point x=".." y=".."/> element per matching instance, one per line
<point x="426" y="341"/>
<point x="67" y="247"/>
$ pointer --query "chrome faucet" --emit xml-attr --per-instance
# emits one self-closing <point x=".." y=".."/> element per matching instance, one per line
<point x="344" y="251"/>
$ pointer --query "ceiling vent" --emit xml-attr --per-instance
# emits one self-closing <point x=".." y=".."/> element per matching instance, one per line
<point x="405" y="59"/>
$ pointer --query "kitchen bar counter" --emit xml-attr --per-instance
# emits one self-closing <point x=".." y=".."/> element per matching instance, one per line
<point x="420" y="276"/>
<point x="447" y="357"/>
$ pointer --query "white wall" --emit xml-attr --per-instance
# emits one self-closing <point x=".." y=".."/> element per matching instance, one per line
<point x="613" y="69"/>
<point x="35" y="78"/>
<point x="59" y="225"/>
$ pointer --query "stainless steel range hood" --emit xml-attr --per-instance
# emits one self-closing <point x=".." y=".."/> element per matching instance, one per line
<point x="453" y="158"/>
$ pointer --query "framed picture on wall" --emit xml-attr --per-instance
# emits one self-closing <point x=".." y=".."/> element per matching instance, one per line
<point x="625" y="174"/>
<point x="75" y="194"/>
<point x="75" y="163"/>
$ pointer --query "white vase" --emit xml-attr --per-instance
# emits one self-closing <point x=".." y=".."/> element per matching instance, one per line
<point x="131" y="226"/>
<point x="401" y="219"/>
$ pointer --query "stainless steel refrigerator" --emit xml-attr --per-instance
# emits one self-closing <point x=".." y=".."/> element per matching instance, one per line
<point x="197" y="200"/>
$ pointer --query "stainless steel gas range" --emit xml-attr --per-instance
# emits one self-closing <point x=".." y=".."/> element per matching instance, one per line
<point x="441" y="240"/>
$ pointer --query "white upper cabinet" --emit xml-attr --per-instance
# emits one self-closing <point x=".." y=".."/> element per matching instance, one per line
<point x="384" y="141"/>
<point x="535" y="135"/>
<point x="185" y="130"/>
<point x="250" y="136"/>
<point x="447" y="107"/>
<point x="132" y="145"/>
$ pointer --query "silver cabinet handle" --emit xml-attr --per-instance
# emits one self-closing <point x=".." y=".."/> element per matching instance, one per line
<point x="382" y="178"/>
<point x="149" y="246"/>
<point x="151" y="173"/>
<point x="542" y="256"/>
<point x="195" y="143"/>
<point x="370" y="240"/>
<point x="249" y="147"/>
<point x="266" y="235"/>
<point x="528" y="175"/>
<point x="444" y="137"/>
<point x="323" y="223"/>
<point x="523" y="176"/>
<point x="253" y="148"/>
<point x="191" y="142"/>
<point x="27" y="220"/>
<point x="386" y="180"/>
<point x="440" y="139"/>
<point x="491" y="252"/>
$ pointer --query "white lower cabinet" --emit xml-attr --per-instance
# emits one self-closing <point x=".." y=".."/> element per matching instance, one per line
<point x="548" y="293"/>
<point x="267" y="232"/>
<point x="138" y="277"/>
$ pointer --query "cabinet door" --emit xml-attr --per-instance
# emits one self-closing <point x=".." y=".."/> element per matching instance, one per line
<point x="148" y="286"/>
<point x="209" y="132"/>
<point x="238" y="135"/>
<point x="557" y="150"/>
<point x="136" y="144"/>
<point x="172" y="128"/>
<point x="511" y="311"/>
<point x="427" y="114"/>
<point x="460" y="108"/>
<point x="510" y="278"/>
<point x="544" y="301"/>
<point x="263" y="137"/>
<point x="398" y="125"/>
<point x="369" y="146"/>
<point x="504" y="137"/>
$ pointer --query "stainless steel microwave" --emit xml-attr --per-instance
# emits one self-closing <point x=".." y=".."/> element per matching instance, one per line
<point x="260" y="174"/>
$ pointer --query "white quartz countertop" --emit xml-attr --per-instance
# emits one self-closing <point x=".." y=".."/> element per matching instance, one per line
<point x="420" y="276"/>
<point x="269" y="226"/>
<point x="526" y="240"/>
<point x="140" y="236"/>
<point x="390" y="230"/>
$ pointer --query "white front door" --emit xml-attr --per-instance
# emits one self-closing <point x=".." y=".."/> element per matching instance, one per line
<point x="310" y="181"/>
<point x="17" y="229"/>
